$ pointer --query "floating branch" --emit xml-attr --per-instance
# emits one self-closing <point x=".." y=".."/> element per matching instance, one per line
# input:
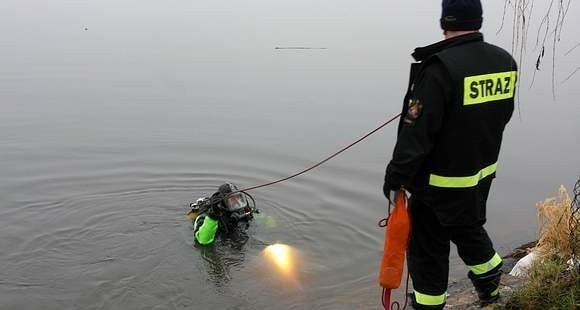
<point x="299" y="48"/>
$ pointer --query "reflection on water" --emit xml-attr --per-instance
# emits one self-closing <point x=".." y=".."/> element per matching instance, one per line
<point x="281" y="256"/>
<point x="219" y="258"/>
<point x="284" y="260"/>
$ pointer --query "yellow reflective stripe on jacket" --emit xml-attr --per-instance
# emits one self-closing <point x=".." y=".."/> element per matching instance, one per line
<point x="489" y="87"/>
<point x="430" y="300"/>
<point x="462" y="182"/>
<point x="487" y="266"/>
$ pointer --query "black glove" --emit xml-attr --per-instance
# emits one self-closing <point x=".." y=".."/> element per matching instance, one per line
<point x="390" y="191"/>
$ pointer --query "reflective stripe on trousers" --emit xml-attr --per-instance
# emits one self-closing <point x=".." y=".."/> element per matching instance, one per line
<point x="487" y="266"/>
<point x="430" y="300"/>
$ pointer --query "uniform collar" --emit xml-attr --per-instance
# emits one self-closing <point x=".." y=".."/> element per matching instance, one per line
<point x="422" y="53"/>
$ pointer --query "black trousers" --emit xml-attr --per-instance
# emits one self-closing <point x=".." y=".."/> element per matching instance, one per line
<point x="429" y="244"/>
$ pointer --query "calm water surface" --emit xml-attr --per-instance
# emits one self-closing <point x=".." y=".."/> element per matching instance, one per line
<point x="106" y="133"/>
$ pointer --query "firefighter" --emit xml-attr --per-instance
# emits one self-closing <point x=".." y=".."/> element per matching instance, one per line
<point x="459" y="100"/>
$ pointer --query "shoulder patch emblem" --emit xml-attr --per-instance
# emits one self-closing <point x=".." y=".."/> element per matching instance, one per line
<point x="414" y="111"/>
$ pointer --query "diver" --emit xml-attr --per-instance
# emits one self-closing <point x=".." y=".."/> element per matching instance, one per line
<point x="227" y="212"/>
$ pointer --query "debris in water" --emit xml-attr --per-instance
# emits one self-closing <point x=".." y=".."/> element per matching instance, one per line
<point x="299" y="48"/>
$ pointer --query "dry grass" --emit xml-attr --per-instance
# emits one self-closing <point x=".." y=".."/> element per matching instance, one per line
<point x="554" y="216"/>
<point x="551" y="283"/>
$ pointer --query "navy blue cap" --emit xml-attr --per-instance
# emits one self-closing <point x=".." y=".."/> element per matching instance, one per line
<point x="458" y="15"/>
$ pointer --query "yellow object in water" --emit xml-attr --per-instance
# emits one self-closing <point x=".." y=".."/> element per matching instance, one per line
<point x="192" y="215"/>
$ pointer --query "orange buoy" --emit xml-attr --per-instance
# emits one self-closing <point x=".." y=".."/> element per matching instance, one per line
<point x="395" y="246"/>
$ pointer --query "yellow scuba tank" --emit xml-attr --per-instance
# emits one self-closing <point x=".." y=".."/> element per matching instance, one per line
<point x="192" y="215"/>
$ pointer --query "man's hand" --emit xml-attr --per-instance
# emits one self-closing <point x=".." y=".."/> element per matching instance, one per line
<point x="390" y="191"/>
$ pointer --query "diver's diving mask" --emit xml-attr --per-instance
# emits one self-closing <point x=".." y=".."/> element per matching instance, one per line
<point x="233" y="199"/>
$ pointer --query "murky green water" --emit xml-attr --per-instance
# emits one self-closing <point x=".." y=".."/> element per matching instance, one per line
<point x="106" y="133"/>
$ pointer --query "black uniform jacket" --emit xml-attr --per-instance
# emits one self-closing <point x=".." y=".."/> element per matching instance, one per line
<point x="459" y="100"/>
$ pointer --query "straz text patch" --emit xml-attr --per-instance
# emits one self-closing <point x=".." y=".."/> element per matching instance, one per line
<point x="489" y="87"/>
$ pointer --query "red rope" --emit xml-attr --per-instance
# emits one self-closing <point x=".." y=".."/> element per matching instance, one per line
<point x="325" y="160"/>
<point x="386" y="298"/>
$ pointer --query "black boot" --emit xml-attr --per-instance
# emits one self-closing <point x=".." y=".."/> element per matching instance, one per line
<point x="486" y="286"/>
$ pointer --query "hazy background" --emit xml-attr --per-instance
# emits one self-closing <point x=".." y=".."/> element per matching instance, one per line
<point x="115" y="114"/>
